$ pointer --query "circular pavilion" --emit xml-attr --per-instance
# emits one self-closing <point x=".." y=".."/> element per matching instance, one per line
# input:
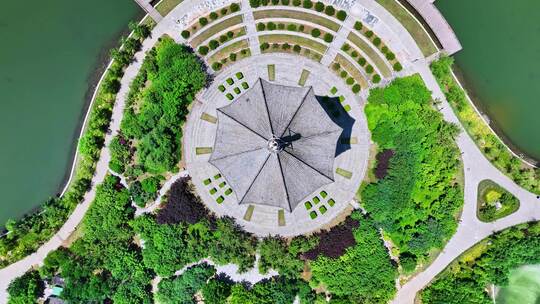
<point x="275" y="145"/>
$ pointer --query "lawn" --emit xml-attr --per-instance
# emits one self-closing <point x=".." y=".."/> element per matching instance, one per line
<point x="292" y="39"/>
<point x="278" y="13"/>
<point x="494" y="202"/>
<point x="165" y="6"/>
<point x="224" y="52"/>
<point x="353" y="71"/>
<point x="412" y="25"/>
<point x="365" y="48"/>
<point x="214" y="29"/>
<point x="303" y="77"/>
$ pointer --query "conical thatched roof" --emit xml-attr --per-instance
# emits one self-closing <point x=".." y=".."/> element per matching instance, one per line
<point x="275" y="145"/>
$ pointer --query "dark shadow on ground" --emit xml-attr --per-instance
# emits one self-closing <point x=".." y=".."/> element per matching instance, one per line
<point x="339" y="116"/>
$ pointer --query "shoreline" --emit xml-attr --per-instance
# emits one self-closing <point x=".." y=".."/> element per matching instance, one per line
<point x="480" y="108"/>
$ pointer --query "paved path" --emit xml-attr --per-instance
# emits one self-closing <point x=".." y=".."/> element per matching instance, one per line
<point x="251" y="30"/>
<point x="150" y="10"/>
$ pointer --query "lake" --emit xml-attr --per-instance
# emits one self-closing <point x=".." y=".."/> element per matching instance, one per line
<point x="49" y="55"/>
<point x="500" y="63"/>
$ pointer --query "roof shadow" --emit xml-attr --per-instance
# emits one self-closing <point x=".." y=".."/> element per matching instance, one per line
<point x="337" y="113"/>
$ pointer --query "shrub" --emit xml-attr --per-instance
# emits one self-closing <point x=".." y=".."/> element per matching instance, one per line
<point x="385" y="49"/>
<point x="346" y="47"/>
<point x="275" y="45"/>
<point x="297" y="48"/>
<point x="229" y="96"/>
<point x="239" y="75"/>
<point x="230" y="34"/>
<point x="264" y="2"/>
<point x="255" y="3"/>
<point x="377" y="41"/>
<point x="329" y="10"/>
<point x="264" y="46"/>
<point x="271" y="26"/>
<point x="328" y="37"/>
<point x="362" y="61"/>
<point x="185" y="34"/>
<point x="281" y="26"/>
<point x="245" y="86"/>
<point x="213" y="44"/>
<point x="221" y="88"/>
<point x="224" y="11"/>
<point x="397" y="67"/>
<point x="336" y="66"/>
<point x="213" y="16"/>
<point x="307" y="4"/>
<point x="203" y="50"/>
<point x="223" y="38"/>
<point x="285" y="2"/>
<point x="203" y="21"/>
<point x="315" y="32"/>
<point x="343" y="74"/>
<point x="390" y="56"/>
<point x="376" y="78"/>
<point x="369" y="69"/>
<point x="354" y="54"/>
<point x="286" y="46"/>
<point x="26" y="289"/>
<point x="319" y="6"/>
<point x="261" y="27"/>
<point x="275" y="2"/>
<point x="235" y="7"/>
<point x="216" y="66"/>
<point x="232" y="56"/>
<point x="111" y="86"/>
<point x="350" y="81"/>
<point x="301" y="28"/>
<point x="355" y="88"/>
<point x="182" y="205"/>
<point x="297" y="2"/>
<point x="369" y="34"/>
<point x="358" y="25"/>
<point x="229" y="81"/>
<point x="244" y="52"/>
<point x="237" y="90"/>
<point x="341" y="15"/>
<point x="291" y="27"/>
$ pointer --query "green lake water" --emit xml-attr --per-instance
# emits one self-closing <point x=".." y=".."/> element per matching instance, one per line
<point x="49" y="54"/>
<point x="523" y="286"/>
<point x="500" y="62"/>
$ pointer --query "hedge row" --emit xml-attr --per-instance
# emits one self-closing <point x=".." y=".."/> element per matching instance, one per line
<point x="307" y="4"/>
<point x="214" y="44"/>
<point x="203" y="21"/>
<point x="315" y="32"/>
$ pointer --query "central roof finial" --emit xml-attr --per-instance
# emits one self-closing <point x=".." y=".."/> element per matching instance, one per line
<point x="275" y="144"/>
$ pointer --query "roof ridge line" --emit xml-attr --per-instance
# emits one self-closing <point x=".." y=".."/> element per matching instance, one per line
<point x="266" y="106"/>
<point x="296" y="112"/>
<point x="240" y="123"/>
<point x="235" y="154"/>
<point x="284" y="183"/>
<point x="302" y="161"/>
<point x="255" y="178"/>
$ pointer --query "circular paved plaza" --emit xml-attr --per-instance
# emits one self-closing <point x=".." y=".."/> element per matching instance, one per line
<point x="222" y="190"/>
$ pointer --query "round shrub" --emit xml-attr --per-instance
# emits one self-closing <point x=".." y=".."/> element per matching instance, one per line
<point x="296" y="2"/>
<point x="261" y="27"/>
<point x="185" y="34"/>
<point x="343" y="74"/>
<point x="369" y="34"/>
<point x="232" y="56"/>
<point x="356" y="88"/>
<point x="216" y="66"/>
<point x="111" y="85"/>
<point x="407" y="262"/>
<point x="224" y="60"/>
<point x="203" y="50"/>
<point x="350" y="81"/>
<point x="296" y="48"/>
<point x="301" y="28"/>
<point x="203" y="21"/>
<point x="341" y="15"/>
<point x="346" y="47"/>
<point x="281" y="26"/>
<point x="398" y="67"/>
<point x="264" y="2"/>
<point x="307" y="4"/>
<point x="291" y="27"/>
<point x="230" y="34"/>
<point x="354" y="54"/>
<point x="390" y="56"/>
<point x="213" y="44"/>
<point x="224" y="11"/>
<point x="275" y="2"/>
<point x="358" y="25"/>
<point x="275" y="45"/>
<point x="235" y="7"/>
<point x="329" y="10"/>
<point x="377" y="41"/>
<point x="369" y="69"/>
<point x="336" y="66"/>
<point x="328" y="37"/>
<point x="264" y="46"/>
<point x="223" y="38"/>
<point x="319" y="6"/>
<point x="362" y="61"/>
<point x="255" y="3"/>
<point x="213" y="15"/>
<point x="385" y="49"/>
<point x="286" y="46"/>
<point x="244" y="52"/>
<point x="285" y="2"/>
<point x="315" y="32"/>
<point x="271" y="26"/>
<point x="376" y="78"/>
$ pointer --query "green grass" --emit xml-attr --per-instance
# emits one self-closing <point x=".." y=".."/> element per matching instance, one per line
<point x="271" y="72"/>
<point x="228" y="191"/>
<point x="220" y="199"/>
<point x="231" y="48"/>
<point x="237" y="90"/>
<point x="229" y="96"/>
<point x="486" y="210"/>
<point x="217" y="176"/>
<point x="239" y="75"/>
<point x="371" y="53"/>
<point x="323" y="194"/>
<point x="292" y="39"/>
<point x="281" y="217"/>
<point x="331" y="202"/>
<point x="218" y="27"/>
<point x="222" y="184"/>
<point x="203" y="150"/>
<point x="213" y="191"/>
<point x="207" y="181"/>
<point x="323" y="209"/>
<point x="412" y="25"/>
<point x="316" y="200"/>
<point x="165" y="6"/>
<point x="351" y="70"/>
<point x="209" y="118"/>
<point x="313" y="215"/>
<point x="245" y="85"/>
<point x="333" y="90"/>
<point x="344" y="173"/>
<point x="303" y="77"/>
<point x="308" y="205"/>
<point x="221" y="88"/>
<point x="249" y="213"/>
<point x="279" y="13"/>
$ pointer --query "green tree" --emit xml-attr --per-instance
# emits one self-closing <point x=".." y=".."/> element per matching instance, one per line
<point x="25" y="289"/>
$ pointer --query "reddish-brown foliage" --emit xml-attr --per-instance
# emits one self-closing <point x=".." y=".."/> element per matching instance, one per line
<point x="383" y="162"/>
<point x="182" y="205"/>
<point x="335" y="241"/>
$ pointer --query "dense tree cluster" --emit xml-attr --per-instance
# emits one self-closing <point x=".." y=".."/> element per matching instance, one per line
<point x="488" y="262"/>
<point x="284" y="257"/>
<point x="30" y="232"/>
<point x="416" y="203"/>
<point x="26" y="289"/>
<point x="487" y="141"/>
<point x="182" y="205"/>
<point x="181" y="289"/>
<point x="334" y="242"/>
